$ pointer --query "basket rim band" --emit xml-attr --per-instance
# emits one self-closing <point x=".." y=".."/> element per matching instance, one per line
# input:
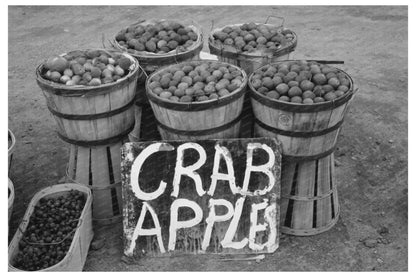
<point x="161" y="61"/>
<point x="175" y="57"/>
<point x="312" y="231"/>
<point x="302" y="108"/>
<point x="310" y="198"/>
<point x="298" y="134"/>
<point x="233" y="55"/>
<point x="92" y="116"/>
<point x="240" y="56"/>
<point x="204" y="131"/>
<point x="197" y="106"/>
<point x="88" y="143"/>
<point x="292" y="158"/>
<point x="87" y="91"/>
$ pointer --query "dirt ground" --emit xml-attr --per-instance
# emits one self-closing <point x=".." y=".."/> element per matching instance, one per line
<point x="371" y="159"/>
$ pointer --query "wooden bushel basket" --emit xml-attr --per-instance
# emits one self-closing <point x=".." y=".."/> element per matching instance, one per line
<point x="212" y="119"/>
<point x="99" y="168"/>
<point x="77" y="253"/>
<point x="11" y="198"/>
<point x="92" y="113"/>
<point x="251" y="61"/>
<point x="11" y="148"/>
<point x="150" y="62"/>
<point x="308" y="134"/>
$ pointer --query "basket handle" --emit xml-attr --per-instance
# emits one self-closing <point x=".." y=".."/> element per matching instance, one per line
<point x="326" y="61"/>
<point x="278" y="17"/>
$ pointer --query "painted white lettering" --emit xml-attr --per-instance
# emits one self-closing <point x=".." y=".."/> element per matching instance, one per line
<point x="139" y="231"/>
<point x="229" y="235"/>
<point x="264" y="168"/>
<point x="230" y="177"/>
<point x="270" y="215"/>
<point x="176" y="225"/>
<point x="136" y="168"/>
<point x="189" y="170"/>
<point x="254" y="227"/>
<point x="212" y="218"/>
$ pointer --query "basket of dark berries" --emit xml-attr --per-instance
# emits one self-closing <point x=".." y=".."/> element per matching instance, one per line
<point x="55" y="232"/>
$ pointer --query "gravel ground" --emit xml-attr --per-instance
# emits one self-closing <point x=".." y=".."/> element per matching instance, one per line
<point x="371" y="157"/>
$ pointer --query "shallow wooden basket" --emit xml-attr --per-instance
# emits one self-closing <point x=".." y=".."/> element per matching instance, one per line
<point x="150" y="62"/>
<point x="308" y="134"/>
<point x="212" y="119"/>
<point x="11" y="198"/>
<point x="251" y="61"/>
<point x="99" y="168"/>
<point x="12" y="147"/>
<point x="92" y="114"/>
<point x="77" y="253"/>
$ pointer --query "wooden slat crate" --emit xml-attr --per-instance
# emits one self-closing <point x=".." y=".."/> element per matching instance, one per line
<point x="99" y="168"/>
<point x="309" y="198"/>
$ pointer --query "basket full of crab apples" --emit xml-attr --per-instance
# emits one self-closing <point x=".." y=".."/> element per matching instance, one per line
<point x="198" y="99"/>
<point x="90" y="93"/>
<point x="159" y="42"/>
<point x="251" y="45"/>
<point x="303" y="104"/>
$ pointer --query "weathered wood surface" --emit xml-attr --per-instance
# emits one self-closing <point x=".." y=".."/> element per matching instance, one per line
<point x="256" y="231"/>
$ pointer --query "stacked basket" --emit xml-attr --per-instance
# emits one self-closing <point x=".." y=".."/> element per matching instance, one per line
<point x="252" y="59"/>
<point x="95" y="121"/>
<point x="150" y="62"/>
<point x="308" y="132"/>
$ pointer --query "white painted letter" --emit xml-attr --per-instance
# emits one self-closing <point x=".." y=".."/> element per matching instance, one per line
<point x="264" y="168"/>
<point x="176" y="225"/>
<point x="270" y="215"/>
<point x="190" y="169"/>
<point x="254" y="227"/>
<point x="226" y="155"/>
<point x="229" y="235"/>
<point x="139" y="231"/>
<point x="212" y="217"/>
<point x="136" y="167"/>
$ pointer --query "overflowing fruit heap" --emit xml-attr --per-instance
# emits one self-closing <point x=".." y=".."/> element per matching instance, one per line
<point x="196" y="82"/>
<point x="88" y="68"/>
<point x="252" y="37"/>
<point x="160" y="37"/>
<point x="50" y="231"/>
<point x="300" y="82"/>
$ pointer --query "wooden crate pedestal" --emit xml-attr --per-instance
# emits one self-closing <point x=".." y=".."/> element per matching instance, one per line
<point x="309" y="196"/>
<point x="99" y="168"/>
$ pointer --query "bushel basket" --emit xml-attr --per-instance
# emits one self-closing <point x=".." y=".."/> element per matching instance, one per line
<point x="92" y="115"/>
<point x="249" y="62"/>
<point x="308" y="133"/>
<point x="211" y="119"/>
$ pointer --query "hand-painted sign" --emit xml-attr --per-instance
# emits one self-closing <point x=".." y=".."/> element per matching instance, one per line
<point x="210" y="196"/>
